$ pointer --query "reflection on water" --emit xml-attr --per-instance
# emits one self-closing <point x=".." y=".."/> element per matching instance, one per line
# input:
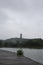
<point x="35" y="54"/>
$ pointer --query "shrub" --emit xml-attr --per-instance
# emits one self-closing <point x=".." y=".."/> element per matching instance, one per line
<point x="19" y="52"/>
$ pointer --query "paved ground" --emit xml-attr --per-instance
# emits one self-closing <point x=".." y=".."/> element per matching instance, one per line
<point x="9" y="58"/>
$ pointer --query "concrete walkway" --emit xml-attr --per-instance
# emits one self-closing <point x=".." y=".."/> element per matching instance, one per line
<point x="10" y="58"/>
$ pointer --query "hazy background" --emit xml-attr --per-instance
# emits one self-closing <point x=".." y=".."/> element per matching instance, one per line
<point x="21" y="16"/>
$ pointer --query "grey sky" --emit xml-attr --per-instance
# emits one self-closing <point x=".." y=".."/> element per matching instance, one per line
<point x="21" y="16"/>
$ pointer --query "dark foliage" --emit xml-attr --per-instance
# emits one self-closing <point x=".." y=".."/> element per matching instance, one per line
<point x="30" y="43"/>
<point x="19" y="52"/>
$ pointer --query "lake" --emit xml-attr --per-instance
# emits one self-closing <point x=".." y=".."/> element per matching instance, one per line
<point x="35" y="54"/>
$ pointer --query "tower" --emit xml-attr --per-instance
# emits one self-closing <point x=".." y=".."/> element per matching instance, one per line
<point x="20" y="36"/>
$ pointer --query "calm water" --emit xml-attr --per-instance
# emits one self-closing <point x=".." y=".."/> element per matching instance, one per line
<point x="35" y="54"/>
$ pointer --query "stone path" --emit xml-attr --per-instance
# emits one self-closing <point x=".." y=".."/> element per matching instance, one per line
<point x="10" y="58"/>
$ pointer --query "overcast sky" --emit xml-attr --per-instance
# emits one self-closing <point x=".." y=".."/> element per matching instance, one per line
<point x="21" y="16"/>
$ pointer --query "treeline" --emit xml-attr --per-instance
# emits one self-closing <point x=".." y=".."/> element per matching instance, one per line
<point x="31" y="43"/>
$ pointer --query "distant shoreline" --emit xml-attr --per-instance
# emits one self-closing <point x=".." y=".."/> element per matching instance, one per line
<point x="22" y="43"/>
<point x="23" y="47"/>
